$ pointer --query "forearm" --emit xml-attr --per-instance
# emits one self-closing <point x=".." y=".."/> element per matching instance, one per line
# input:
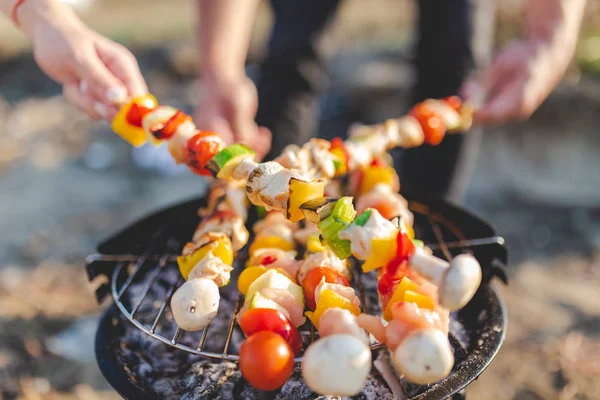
<point x="32" y="12"/>
<point x="555" y="20"/>
<point x="225" y="31"/>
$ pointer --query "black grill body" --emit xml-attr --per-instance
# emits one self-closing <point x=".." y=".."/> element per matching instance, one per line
<point x="144" y="253"/>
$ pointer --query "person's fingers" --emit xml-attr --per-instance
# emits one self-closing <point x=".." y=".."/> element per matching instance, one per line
<point x="103" y="84"/>
<point x="262" y="144"/>
<point x="506" y="105"/>
<point x="214" y="123"/>
<point x="82" y="100"/>
<point x="105" y="111"/>
<point x="478" y="89"/>
<point x="241" y="111"/>
<point x="121" y="62"/>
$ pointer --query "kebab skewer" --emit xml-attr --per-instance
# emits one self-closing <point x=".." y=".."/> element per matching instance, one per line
<point x="339" y="362"/>
<point x="299" y="174"/>
<point x="206" y="261"/>
<point x="415" y="288"/>
<point x="273" y="307"/>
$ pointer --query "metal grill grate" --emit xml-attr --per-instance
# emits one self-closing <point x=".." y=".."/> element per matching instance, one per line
<point x="439" y="233"/>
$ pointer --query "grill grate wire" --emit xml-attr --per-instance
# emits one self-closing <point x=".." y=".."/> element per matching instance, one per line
<point x="430" y="223"/>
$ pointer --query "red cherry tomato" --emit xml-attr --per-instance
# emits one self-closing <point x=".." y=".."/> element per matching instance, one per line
<point x="201" y="148"/>
<point x="453" y="101"/>
<point x="433" y="127"/>
<point x="266" y="360"/>
<point x="312" y="280"/>
<point x="267" y="319"/>
<point x="137" y="112"/>
<point x="166" y="130"/>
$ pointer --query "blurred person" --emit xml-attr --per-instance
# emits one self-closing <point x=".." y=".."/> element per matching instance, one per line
<point x="293" y="75"/>
<point x="97" y="74"/>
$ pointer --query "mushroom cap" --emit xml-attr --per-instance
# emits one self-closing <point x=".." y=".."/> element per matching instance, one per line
<point x="195" y="304"/>
<point x="424" y="356"/>
<point x="460" y="282"/>
<point x="337" y="365"/>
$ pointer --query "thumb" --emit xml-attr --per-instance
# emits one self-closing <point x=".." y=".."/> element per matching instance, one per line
<point x="102" y="84"/>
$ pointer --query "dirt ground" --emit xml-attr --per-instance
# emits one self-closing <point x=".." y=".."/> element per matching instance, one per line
<point x="67" y="182"/>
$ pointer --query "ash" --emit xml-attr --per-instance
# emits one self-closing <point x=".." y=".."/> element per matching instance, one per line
<point x="173" y="373"/>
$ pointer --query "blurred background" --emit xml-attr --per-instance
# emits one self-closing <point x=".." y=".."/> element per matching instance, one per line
<point x="67" y="182"/>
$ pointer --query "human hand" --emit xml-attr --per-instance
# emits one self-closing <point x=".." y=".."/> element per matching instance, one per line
<point x="228" y="107"/>
<point x="517" y="82"/>
<point x="97" y="74"/>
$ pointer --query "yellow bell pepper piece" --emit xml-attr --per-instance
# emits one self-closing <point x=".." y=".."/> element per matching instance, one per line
<point x="221" y="248"/>
<point x="134" y="135"/>
<point x="419" y="299"/>
<point x="301" y="192"/>
<point x="382" y="251"/>
<point x="313" y="244"/>
<point x="403" y="287"/>
<point x="340" y="162"/>
<point x="269" y="242"/>
<point x="375" y="175"/>
<point x="248" y="276"/>
<point x="330" y="299"/>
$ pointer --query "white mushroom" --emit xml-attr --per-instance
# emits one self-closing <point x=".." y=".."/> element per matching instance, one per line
<point x="195" y="304"/>
<point x="337" y="365"/>
<point x="424" y="357"/>
<point x="457" y="281"/>
<point x="211" y="267"/>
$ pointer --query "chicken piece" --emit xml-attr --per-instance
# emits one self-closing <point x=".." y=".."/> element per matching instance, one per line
<point x="405" y="132"/>
<point x="373" y="325"/>
<point x="157" y="117"/>
<point x="384" y="197"/>
<point x="275" y="224"/>
<point x="225" y="222"/>
<point x="276" y="258"/>
<point x="177" y="144"/>
<point x="280" y="231"/>
<point x="324" y="258"/>
<point x="212" y="268"/>
<point x="268" y="185"/>
<point x="358" y="156"/>
<point x="286" y="300"/>
<point x="361" y="236"/>
<point x="337" y="320"/>
<point x="313" y="158"/>
<point x="236" y="200"/>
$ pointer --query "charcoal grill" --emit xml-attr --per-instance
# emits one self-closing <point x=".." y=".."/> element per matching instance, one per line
<point x="138" y="269"/>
